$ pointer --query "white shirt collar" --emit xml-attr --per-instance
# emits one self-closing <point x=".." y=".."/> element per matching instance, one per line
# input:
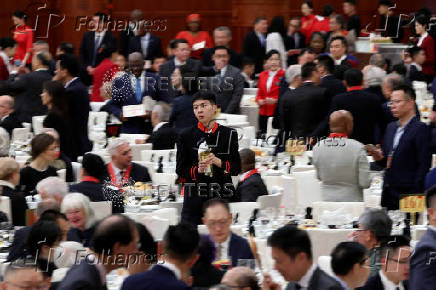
<point x="388" y="284"/>
<point x="224" y="247"/>
<point x="157" y="127"/>
<point x="304" y="281"/>
<point x="178" y="63"/>
<point x="7" y="184"/>
<point x="419" y="67"/>
<point x="291" y="88"/>
<point x="117" y="172"/>
<point x="173" y="268"/>
<point x="40" y="69"/>
<point x="101" y="34"/>
<point x="4" y="117"/>
<point x="421" y="38"/>
<point x="338" y="62"/>
<point x="6" y="60"/>
<point x="68" y="83"/>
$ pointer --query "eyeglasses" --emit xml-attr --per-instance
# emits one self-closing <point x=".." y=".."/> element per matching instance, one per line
<point x="201" y="106"/>
<point x="42" y="286"/>
<point x="400" y="261"/>
<point x="396" y="102"/>
<point x="220" y="223"/>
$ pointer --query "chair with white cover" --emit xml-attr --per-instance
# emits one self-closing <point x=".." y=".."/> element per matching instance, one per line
<point x="354" y="209"/>
<point x="97" y="120"/>
<point x="103" y="155"/>
<point x="249" y="132"/>
<point x="155" y="225"/>
<point x="308" y="188"/>
<point x="324" y="262"/>
<point x="153" y="155"/>
<point x="232" y="118"/>
<point x="270" y="200"/>
<point x="132" y="137"/>
<point x="243" y="209"/>
<point x="77" y="168"/>
<point x="137" y="148"/>
<point x="167" y="213"/>
<point x="62" y="173"/>
<point x="164" y="179"/>
<point x="37" y="124"/>
<point x="20" y="135"/>
<point x="27" y="125"/>
<point x="5" y="206"/>
<point x="250" y="91"/>
<point x="178" y="205"/>
<point x="149" y="165"/>
<point x="270" y="131"/>
<point x="101" y="209"/>
<point x="96" y="106"/>
<point x="271" y="181"/>
<point x="289" y="185"/>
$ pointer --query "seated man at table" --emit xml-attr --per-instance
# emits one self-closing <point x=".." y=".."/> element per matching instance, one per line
<point x="250" y="185"/>
<point x="218" y="219"/>
<point x="291" y="250"/>
<point x="395" y="272"/>
<point x="122" y="170"/>
<point x="375" y="228"/>
<point x="52" y="187"/>
<point x="24" y="275"/>
<point x="423" y="262"/>
<point x="241" y="278"/>
<point x="163" y="135"/>
<point x="350" y="264"/>
<point x="341" y="163"/>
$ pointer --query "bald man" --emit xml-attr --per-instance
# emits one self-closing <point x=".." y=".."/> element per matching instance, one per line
<point x="240" y="277"/>
<point x="340" y="162"/>
<point x="8" y="118"/>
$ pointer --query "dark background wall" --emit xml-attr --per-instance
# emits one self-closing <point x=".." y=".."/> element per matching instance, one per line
<point x="237" y="14"/>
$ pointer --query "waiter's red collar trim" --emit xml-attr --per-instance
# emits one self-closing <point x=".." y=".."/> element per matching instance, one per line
<point x="355" y="88"/>
<point x="207" y="130"/>
<point x="91" y="179"/>
<point x="338" y="135"/>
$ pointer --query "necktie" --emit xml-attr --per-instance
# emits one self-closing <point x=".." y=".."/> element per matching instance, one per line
<point x="121" y="176"/>
<point x="218" y="256"/>
<point x="262" y="40"/>
<point x="138" y="91"/>
<point x="96" y="45"/>
<point x="219" y="77"/>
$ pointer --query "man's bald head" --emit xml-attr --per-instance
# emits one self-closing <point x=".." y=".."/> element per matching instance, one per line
<point x="136" y="15"/>
<point x="241" y="277"/>
<point x="341" y="122"/>
<point x="136" y="63"/>
<point x="6" y="105"/>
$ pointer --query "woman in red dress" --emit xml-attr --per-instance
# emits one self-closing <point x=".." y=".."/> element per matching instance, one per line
<point x="268" y="88"/>
<point x="307" y="20"/>
<point x="427" y="43"/>
<point x="23" y="35"/>
<point x="198" y="40"/>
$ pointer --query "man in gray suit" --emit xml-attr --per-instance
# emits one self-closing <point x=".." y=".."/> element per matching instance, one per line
<point x="292" y="251"/>
<point x="341" y="163"/>
<point x="227" y="83"/>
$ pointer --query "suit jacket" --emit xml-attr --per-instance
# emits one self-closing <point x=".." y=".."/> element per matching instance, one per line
<point x="333" y="86"/>
<point x="428" y="46"/>
<point x="422" y="263"/>
<point x="83" y="237"/>
<point x="320" y="281"/>
<point x="125" y="36"/>
<point x="229" y="90"/>
<point x="84" y="276"/>
<point x="138" y="173"/>
<point x="79" y="108"/>
<point x="166" y="69"/>
<point x="93" y="190"/>
<point x="182" y="113"/>
<point x="154" y="48"/>
<point x="415" y="74"/>
<point x="303" y="109"/>
<point x="290" y="43"/>
<point x="27" y="90"/>
<point x="10" y="123"/>
<point x="164" y="138"/>
<point x="375" y="283"/>
<point x="251" y="188"/>
<point x="18" y="247"/>
<point x="123" y="94"/>
<point x="239" y="249"/>
<point x="87" y="48"/>
<point x="342" y="166"/>
<point x="252" y="48"/>
<point x="410" y="161"/>
<point x="157" y="278"/>
<point x="235" y="58"/>
<point x="18" y="205"/>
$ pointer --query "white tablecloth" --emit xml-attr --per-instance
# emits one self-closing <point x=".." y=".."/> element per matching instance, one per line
<point x="252" y="113"/>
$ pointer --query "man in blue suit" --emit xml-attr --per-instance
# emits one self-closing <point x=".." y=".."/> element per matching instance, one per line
<point x="217" y="218"/>
<point x="129" y="89"/>
<point x="406" y="150"/>
<point x="180" y="245"/>
<point x="423" y="260"/>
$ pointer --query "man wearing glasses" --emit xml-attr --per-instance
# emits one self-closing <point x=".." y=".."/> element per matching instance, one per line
<point x="22" y="274"/>
<point x="395" y="270"/>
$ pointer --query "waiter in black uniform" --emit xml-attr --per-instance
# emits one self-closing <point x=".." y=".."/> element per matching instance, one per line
<point x="209" y="176"/>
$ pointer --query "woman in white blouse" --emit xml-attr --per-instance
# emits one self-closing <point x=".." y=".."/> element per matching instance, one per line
<point x="275" y="38"/>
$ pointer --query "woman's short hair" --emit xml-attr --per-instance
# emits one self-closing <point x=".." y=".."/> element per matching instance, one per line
<point x="8" y="166"/>
<point x="20" y="14"/>
<point x="271" y="53"/>
<point x="76" y="200"/>
<point x="40" y="143"/>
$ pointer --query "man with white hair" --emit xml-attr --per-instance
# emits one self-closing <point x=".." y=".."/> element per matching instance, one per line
<point x="241" y="278"/>
<point x="121" y="169"/>
<point x="52" y="187"/>
<point x="163" y="136"/>
<point x="8" y="118"/>
<point x="373" y="78"/>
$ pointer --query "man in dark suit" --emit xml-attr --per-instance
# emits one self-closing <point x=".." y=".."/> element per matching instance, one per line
<point x="163" y="136"/>
<point x="213" y="169"/>
<point x="254" y="43"/>
<point x="227" y="83"/>
<point x="294" y="40"/>
<point x="92" y="41"/>
<point x="418" y="59"/>
<point x="250" y="185"/>
<point x="221" y="37"/>
<point x="422" y="262"/>
<point x="291" y="249"/>
<point x="353" y="19"/>
<point x="395" y="259"/>
<point x="218" y="219"/>
<point x="130" y="89"/>
<point x="389" y="22"/>
<point x="405" y="152"/>
<point x="181" y="51"/>
<point x="350" y="263"/>
<point x="8" y="118"/>
<point x="125" y="34"/>
<point x="180" y="246"/>
<point x="305" y="107"/>
<point x="326" y="66"/>
<point x="144" y="42"/>
<point x="78" y="100"/>
<point x="121" y="169"/>
<point x="27" y="89"/>
<point x="115" y="236"/>
<point x="365" y="108"/>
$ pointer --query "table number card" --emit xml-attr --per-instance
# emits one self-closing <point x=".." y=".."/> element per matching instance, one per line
<point x="133" y="111"/>
<point x="412" y="203"/>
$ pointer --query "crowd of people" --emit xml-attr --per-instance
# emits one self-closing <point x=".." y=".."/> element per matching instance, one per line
<point x="309" y="81"/>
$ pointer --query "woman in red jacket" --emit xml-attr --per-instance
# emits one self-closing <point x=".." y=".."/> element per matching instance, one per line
<point x="427" y="43"/>
<point x="268" y="88"/>
<point x="198" y="40"/>
<point x="308" y="19"/>
<point x="104" y="72"/>
<point x="23" y="35"/>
